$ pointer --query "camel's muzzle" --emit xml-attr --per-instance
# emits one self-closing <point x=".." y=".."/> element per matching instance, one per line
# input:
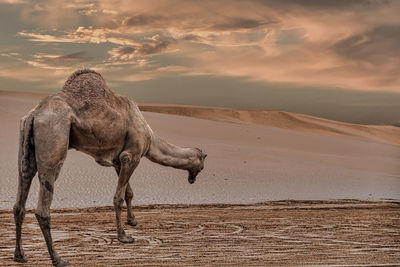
<point x="192" y="177"/>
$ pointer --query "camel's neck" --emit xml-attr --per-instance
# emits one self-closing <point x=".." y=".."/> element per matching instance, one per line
<point x="167" y="154"/>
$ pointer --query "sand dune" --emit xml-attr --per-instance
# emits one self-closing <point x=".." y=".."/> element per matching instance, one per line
<point x="283" y="120"/>
<point x="279" y="119"/>
<point x="246" y="162"/>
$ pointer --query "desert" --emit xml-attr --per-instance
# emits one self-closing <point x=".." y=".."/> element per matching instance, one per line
<point x="199" y="133"/>
<point x="267" y="191"/>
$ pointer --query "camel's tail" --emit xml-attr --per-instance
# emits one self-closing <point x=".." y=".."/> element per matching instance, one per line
<point x="26" y="155"/>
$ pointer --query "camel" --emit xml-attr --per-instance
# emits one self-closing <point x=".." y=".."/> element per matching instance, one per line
<point x="87" y="116"/>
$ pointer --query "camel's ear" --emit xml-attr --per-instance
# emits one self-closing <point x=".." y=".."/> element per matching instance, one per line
<point x="204" y="156"/>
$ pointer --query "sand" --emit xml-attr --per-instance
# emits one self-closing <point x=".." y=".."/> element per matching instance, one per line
<point x="284" y="120"/>
<point x="246" y="163"/>
<point x="291" y="233"/>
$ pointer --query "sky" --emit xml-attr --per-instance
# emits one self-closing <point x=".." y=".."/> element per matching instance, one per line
<point x="338" y="59"/>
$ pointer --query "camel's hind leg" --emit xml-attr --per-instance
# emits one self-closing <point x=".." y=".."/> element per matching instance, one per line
<point x="26" y="171"/>
<point x="24" y="184"/>
<point x="47" y="178"/>
<point x="51" y="144"/>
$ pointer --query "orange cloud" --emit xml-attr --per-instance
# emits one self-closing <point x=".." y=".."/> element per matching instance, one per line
<point x="80" y="35"/>
<point x="348" y="44"/>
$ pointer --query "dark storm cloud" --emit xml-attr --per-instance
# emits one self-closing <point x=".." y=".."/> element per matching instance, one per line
<point x="238" y="23"/>
<point x="326" y="4"/>
<point x="65" y="61"/>
<point x="70" y="59"/>
<point x="140" y="50"/>
<point x="376" y="46"/>
<point x="78" y="56"/>
<point x="142" y="20"/>
<point x="126" y="50"/>
<point x="147" y="49"/>
<point x="191" y="37"/>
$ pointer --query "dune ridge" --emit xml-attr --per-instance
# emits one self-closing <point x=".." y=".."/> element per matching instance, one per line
<point x="284" y="120"/>
<point x="279" y="119"/>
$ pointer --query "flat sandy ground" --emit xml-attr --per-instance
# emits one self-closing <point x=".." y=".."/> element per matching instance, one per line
<point x="287" y="157"/>
<point x="270" y="234"/>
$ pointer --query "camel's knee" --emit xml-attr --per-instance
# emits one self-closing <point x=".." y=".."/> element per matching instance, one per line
<point x="129" y="159"/>
<point x="28" y="173"/>
<point x="17" y="207"/>
<point x="125" y="157"/>
<point x="44" y="213"/>
<point x="118" y="201"/>
<point x="43" y="207"/>
<point x="45" y="198"/>
<point x="128" y="196"/>
<point x="48" y="186"/>
<point x="51" y="165"/>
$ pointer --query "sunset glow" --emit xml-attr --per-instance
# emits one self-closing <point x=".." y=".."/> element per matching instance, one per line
<point x="323" y="45"/>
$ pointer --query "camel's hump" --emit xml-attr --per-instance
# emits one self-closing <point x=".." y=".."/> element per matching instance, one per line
<point x="87" y="86"/>
<point x="82" y="81"/>
<point x="74" y="76"/>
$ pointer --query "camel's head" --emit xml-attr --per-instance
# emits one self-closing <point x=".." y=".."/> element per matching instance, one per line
<point x="198" y="165"/>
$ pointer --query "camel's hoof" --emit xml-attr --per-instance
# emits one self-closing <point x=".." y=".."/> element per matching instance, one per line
<point x="126" y="239"/>
<point x="19" y="257"/>
<point x="132" y="222"/>
<point x="61" y="263"/>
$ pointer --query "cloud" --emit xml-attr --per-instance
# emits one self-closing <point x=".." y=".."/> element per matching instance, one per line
<point x="290" y="37"/>
<point x="148" y="49"/>
<point x="187" y="15"/>
<point x="80" y="35"/>
<point x="98" y="35"/>
<point x="376" y="46"/>
<point x="348" y="44"/>
<point x="238" y="24"/>
<point x="9" y="54"/>
<point x="140" y="50"/>
<point x="83" y="7"/>
<point x="142" y="70"/>
<point x="37" y="37"/>
<point x="12" y="1"/>
<point x="50" y="14"/>
<point x="27" y="73"/>
<point x="69" y="61"/>
<point x="142" y="20"/>
<point x="327" y="4"/>
<point x="122" y="53"/>
<point x="190" y="37"/>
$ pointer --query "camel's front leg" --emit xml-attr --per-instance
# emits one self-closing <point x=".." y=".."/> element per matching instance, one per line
<point x="128" y="164"/>
<point x="128" y="199"/>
